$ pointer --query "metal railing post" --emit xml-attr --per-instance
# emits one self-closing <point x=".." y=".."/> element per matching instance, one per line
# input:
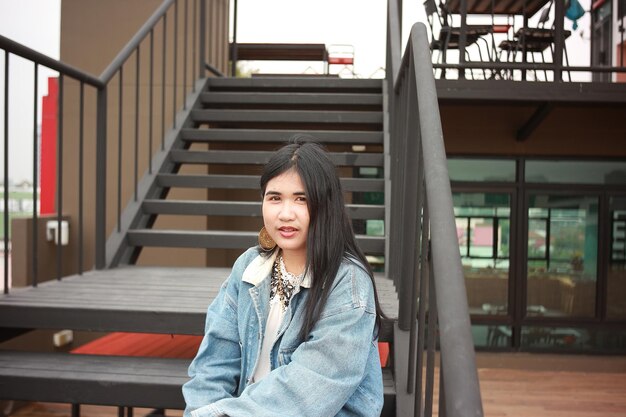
<point x="202" y="40"/>
<point x="101" y="173"/>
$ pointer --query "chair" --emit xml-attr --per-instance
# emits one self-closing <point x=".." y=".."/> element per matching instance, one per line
<point x="535" y="40"/>
<point x="448" y="36"/>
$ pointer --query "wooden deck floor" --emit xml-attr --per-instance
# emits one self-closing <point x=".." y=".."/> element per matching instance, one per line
<point x="550" y="386"/>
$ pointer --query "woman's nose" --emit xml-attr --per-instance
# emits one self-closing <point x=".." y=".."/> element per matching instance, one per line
<point x="286" y="211"/>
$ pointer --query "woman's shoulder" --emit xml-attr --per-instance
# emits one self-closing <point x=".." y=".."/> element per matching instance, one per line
<point x="353" y="281"/>
<point x="244" y="260"/>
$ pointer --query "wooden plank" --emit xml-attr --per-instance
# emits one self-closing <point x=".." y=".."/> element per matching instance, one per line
<point x="280" y="51"/>
<point x="295" y="83"/>
<point x="279" y="136"/>
<point x="241" y="208"/>
<point x="251" y="182"/>
<point x="92" y="379"/>
<point x="287" y="116"/>
<point x="274" y="98"/>
<point x="351" y="159"/>
<point x="227" y="239"/>
<point x="130" y="299"/>
<point x="103" y="380"/>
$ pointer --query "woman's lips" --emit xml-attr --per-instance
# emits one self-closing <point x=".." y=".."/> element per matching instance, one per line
<point x="287" y="232"/>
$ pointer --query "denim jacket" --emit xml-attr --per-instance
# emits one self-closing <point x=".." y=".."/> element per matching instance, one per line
<point x="336" y="372"/>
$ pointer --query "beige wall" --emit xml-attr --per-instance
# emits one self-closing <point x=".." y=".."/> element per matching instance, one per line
<point x="92" y="33"/>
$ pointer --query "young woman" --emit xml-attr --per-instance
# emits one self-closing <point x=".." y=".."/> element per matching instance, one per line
<point x="293" y="331"/>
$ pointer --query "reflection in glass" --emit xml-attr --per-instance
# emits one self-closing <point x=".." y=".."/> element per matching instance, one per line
<point x="616" y="284"/>
<point x="541" y="337"/>
<point x="576" y="172"/>
<point x="562" y="255"/>
<point x="492" y="335"/>
<point x="481" y="170"/>
<point x="574" y="339"/>
<point x="483" y="230"/>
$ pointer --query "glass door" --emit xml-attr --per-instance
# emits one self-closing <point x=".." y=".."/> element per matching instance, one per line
<point x="483" y="224"/>
<point x="562" y="255"/>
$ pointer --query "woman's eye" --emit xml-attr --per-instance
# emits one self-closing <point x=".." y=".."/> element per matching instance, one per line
<point x="302" y="199"/>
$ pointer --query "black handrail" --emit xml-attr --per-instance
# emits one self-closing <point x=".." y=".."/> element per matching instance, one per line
<point x="170" y="79"/>
<point x="424" y="254"/>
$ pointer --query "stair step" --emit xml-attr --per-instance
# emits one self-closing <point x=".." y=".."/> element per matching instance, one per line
<point x="166" y="300"/>
<point x="93" y="379"/>
<point x="279" y="136"/>
<point x="287" y="116"/>
<point x="227" y="239"/>
<point x="262" y="157"/>
<point x="108" y="380"/>
<point x="271" y="98"/>
<point x="296" y="84"/>
<point x="251" y="182"/>
<point x="241" y="208"/>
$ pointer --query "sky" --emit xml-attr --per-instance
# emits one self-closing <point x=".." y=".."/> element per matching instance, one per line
<point x="36" y="24"/>
<point x="358" y="23"/>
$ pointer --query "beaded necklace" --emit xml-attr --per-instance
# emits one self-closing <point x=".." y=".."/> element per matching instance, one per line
<point x="283" y="283"/>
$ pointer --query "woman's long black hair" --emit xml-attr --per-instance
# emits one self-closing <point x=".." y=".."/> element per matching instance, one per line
<point x="331" y="237"/>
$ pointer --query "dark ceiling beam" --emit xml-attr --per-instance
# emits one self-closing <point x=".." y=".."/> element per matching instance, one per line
<point x="534" y="121"/>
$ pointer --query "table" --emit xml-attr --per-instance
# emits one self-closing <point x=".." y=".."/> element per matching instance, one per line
<point x="512" y="7"/>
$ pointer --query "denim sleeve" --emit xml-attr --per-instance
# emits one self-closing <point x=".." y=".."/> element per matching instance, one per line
<point x="324" y="372"/>
<point x="215" y="371"/>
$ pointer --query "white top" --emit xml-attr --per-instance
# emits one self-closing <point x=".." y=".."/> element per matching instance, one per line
<point x="274" y="319"/>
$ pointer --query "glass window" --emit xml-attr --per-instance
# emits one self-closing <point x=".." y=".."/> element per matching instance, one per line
<point x="562" y="255"/>
<point x="481" y="170"/>
<point x="616" y="283"/>
<point x="561" y="338"/>
<point x="492" y="335"/>
<point x="576" y="172"/>
<point x="483" y="229"/>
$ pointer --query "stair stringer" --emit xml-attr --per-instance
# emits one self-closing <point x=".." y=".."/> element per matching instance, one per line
<point x="117" y="249"/>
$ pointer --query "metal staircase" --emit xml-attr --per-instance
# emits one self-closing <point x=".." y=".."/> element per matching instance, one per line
<point x="232" y="129"/>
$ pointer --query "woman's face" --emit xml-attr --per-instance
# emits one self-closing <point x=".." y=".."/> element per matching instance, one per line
<point x="285" y="212"/>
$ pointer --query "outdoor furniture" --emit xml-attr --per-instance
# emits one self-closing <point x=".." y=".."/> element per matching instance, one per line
<point x="448" y="36"/>
<point x="529" y="41"/>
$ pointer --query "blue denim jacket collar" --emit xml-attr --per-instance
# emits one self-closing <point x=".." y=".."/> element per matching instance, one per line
<point x="261" y="267"/>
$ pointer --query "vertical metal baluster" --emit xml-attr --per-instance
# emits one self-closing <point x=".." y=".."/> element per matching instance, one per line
<point x="101" y="177"/>
<point x="81" y="165"/>
<point x="150" y="100"/>
<point x="432" y="339"/>
<point x="163" y="67"/>
<point x="185" y="57"/>
<point x="60" y="179"/>
<point x="194" y="71"/>
<point x="6" y="172"/>
<point x="136" y="121"/>
<point x="35" y="175"/>
<point x="175" y="61"/>
<point x="202" y="39"/>
<point x="119" y="151"/>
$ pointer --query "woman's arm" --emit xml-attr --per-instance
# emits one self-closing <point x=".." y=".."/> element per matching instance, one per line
<point x="215" y="371"/>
